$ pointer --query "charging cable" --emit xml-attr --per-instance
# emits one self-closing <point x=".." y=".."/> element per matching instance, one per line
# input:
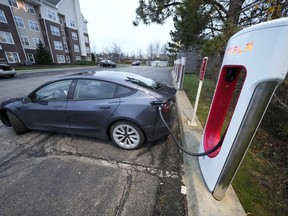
<point x="180" y="146"/>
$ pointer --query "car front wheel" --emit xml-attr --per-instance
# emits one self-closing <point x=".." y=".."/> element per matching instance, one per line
<point x="17" y="124"/>
<point x="126" y="135"/>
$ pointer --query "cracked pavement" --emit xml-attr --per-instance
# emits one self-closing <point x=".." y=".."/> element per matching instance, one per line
<point x="54" y="174"/>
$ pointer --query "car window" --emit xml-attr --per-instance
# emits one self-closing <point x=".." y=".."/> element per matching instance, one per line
<point x="124" y="91"/>
<point x="53" y="91"/>
<point x="93" y="90"/>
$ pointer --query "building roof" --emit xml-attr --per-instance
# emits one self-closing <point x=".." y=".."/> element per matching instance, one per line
<point x="53" y="2"/>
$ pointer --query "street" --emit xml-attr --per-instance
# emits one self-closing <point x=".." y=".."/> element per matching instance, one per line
<point x="44" y="173"/>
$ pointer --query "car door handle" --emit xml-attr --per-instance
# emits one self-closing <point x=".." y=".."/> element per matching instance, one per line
<point x="58" y="106"/>
<point x="106" y="107"/>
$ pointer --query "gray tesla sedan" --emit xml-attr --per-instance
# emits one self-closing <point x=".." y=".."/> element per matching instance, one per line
<point x="112" y="105"/>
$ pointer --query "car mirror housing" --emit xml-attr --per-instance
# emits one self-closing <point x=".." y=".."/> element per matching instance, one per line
<point x="26" y="100"/>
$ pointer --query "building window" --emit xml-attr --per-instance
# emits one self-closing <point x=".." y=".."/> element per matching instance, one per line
<point x="13" y="3"/>
<point x="88" y="58"/>
<point x="31" y="10"/>
<point x="6" y="37"/>
<point x="19" y="22"/>
<point x="51" y="15"/>
<point x="74" y="36"/>
<point x="65" y="47"/>
<point x="55" y="30"/>
<point x="78" y="58"/>
<point x="72" y="23"/>
<point x="58" y="45"/>
<point x="87" y="49"/>
<point x="86" y="39"/>
<point x="2" y="17"/>
<point x="36" y="41"/>
<point x="60" y="59"/>
<point x="68" y="59"/>
<point x="30" y="57"/>
<point x="12" y="57"/>
<point x="25" y="41"/>
<point x="76" y="48"/>
<point x="33" y="26"/>
<point x="85" y="28"/>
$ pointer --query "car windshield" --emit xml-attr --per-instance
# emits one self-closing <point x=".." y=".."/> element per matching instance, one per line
<point x="145" y="82"/>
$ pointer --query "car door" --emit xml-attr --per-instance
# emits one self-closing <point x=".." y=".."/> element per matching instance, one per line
<point x="46" y="111"/>
<point x="91" y="107"/>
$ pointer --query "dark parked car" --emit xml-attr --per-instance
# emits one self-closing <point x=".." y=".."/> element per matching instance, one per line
<point x="107" y="63"/>
<point x="136" y="63"/>
<point x="104" y="104"/>
<point x="6" y="70"/>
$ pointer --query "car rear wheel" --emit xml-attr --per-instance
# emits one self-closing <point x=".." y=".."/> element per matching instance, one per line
<point x="17" y="124"/>
<point x="126" y="135"/>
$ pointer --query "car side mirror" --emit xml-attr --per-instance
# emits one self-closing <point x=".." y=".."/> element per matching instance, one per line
<point x="26" y="100"/>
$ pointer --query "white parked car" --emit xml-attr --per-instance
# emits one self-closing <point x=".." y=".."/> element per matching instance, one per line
<point x="6" y="70"/>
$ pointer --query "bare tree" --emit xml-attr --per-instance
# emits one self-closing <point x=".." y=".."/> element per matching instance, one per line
<point x="164" y="52"/>
<point x="150" y="51"/>
<point x="94" y="53"/>
<point x="105" y="53"/>
<point x="115" y="51"/>
<point x="139" y="53"/>
<point x="156" y="46"/>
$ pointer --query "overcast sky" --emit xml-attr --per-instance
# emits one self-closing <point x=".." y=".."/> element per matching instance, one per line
<point x="110" y="21"/>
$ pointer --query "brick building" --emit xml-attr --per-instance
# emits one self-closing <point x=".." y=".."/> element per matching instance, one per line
<point x="59" y="24"/>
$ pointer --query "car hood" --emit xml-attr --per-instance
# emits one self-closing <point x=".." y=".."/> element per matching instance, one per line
<point x="13" y="100"/>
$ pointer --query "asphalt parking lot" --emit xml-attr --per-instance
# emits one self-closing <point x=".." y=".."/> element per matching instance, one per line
<point x="56" y="174"/>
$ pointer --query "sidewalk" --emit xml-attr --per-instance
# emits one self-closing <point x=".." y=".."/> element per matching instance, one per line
<point x="199" y="200"/>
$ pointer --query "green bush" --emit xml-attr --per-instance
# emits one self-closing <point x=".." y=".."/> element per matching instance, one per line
<point x="276" y="117"/>
<point x="85" y="63"/>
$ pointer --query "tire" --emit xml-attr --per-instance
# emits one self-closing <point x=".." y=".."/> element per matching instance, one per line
<point x="126" y="135"/>
<point x="17" y="124"/>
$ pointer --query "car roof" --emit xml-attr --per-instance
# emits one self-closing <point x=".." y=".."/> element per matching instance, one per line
<point x="105" y="75"/>
<point x="120" y="77"/>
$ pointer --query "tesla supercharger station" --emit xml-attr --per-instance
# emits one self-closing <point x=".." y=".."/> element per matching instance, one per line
<point x="258" y="56"/>
<point x="181" y="73"/>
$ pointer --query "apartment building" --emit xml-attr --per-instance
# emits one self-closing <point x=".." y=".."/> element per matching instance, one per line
<point x="58" y="24"/>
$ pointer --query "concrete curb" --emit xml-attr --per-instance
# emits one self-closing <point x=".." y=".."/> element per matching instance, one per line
<point x="31" y="70"/>
<point x="199" y="200"/>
